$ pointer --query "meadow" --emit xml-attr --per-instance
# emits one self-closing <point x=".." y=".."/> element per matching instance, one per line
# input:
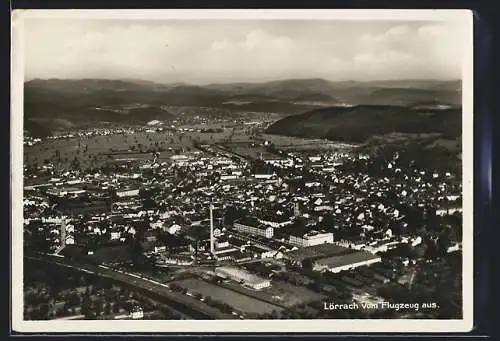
<point x="281" y="293"/>
<point x="238" y="301"/>
<point x="95" y="151"/>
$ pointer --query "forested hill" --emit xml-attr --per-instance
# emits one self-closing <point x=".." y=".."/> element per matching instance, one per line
<point x="359" y="123"/>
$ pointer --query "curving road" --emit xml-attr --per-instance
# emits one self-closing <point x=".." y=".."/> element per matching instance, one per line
<point x="186" y="304"/>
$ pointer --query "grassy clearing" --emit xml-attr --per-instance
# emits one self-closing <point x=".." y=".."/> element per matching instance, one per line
<point x="97" y="150"/>
<point x="281" y="293"/>
<point x="305" y="144"/>
<point x="293" y="295"/>
<point x="234" y="299"/>
<point x="112" y="254"/>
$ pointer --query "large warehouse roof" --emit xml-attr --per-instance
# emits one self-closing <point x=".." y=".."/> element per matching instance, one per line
<point x="239" y="273"/>
<point x="318" y="251"/>
<point x="346" y="259"/>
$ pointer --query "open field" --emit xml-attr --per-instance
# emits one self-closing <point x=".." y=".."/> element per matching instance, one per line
<point x="281" y="293"/>
<point x="113" y="254"/>
<point x="97" y="150"/>
<point x="102" y="254"/>
<point x="207" y="137"/>
<point x="293" y="295"/>
<point x="238" y="301"/>
<point x="249" y="149"/>
<point x="299" y="143"/>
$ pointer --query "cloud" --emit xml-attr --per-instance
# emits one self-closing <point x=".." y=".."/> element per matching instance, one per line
<point x="219" y="45"/>
<point x="204" y="52"/>
<point x="392" y="35"/>
<point x="260" y="39"/>
<point x="431" y="31"/>
<point x="434" y="49"/>
<point x="385" y="57"/>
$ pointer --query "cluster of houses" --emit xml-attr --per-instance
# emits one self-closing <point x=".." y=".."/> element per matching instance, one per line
<point x="171" y="199"/>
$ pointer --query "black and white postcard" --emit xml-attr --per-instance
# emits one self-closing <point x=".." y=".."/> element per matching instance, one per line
<point x="242" y="170"/>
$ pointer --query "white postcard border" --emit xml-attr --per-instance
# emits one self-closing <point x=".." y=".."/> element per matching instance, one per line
<point x="252" y="326"/>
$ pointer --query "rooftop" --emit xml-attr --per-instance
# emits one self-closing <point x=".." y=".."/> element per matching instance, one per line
<point x="346" y="259"/>
<point x="318" y="251"/>
<point x="240" y="273"/>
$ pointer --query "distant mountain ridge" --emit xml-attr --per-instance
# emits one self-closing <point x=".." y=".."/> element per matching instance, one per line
<point x="353" y="92"/>
<point x="82" y="99"/>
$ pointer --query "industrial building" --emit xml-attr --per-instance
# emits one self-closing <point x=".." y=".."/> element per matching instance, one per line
<point x="243" y="277"/>
<point x="312" y="238"/>
<point x="346" y="261"/>
<point x="127" y="192"/>
<point x="257" y="230"/>
<point x="277" y="222"/>
<point x="331" y="257"/>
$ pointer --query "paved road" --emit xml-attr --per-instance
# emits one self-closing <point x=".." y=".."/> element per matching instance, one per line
<point x="191" y="306"/>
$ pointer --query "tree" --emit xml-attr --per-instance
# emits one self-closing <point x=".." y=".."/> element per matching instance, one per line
<point x="86" y="303"/>
<point x="44" y="311"/>
<point x="307" y="264"/>
<point x="107" y="309"/>
<point x="443" y="242"/>
<point x="231" y="215"/>
<point x="60" y="312"/>
<point x="209" y="300"/>
<point x="75" y="164"/>
<point x="149" y="204"/>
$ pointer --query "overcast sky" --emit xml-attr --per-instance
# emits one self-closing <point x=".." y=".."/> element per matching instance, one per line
<point x="211" y="51"/>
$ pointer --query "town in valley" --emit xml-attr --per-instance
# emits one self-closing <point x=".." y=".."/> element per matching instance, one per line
<point x="301" y="198"/>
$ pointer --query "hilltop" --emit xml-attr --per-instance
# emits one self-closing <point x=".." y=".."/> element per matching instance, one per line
<point x="359" y="123"/>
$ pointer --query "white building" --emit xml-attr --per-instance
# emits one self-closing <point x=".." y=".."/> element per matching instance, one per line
<point x="355" y="245"/>
<point x="221" y="244"/>
<point x="265" y="231"/>
<point x="271" y="254"/>
<point x="127" y="193"/>
<point x="229" y="177"/>
<point x="243" y="277"/>
<point x="263" y="176"/>
<point x="312" y="238"/>
<point x="137" y="314"/>
<point x="161" y="248"/>
<point x="180" y="160"/>
<point x="454" y="247"/>
<point x="443" y="212"/>
<point x="176" y="260"/>
<point x="321" y="208"/>
<point x="336" y="266"/>
<point x="174" y="229"/>
<point x="223" y="250"/>
<point x="70" y="240"/>
<point x="275" y="224"/>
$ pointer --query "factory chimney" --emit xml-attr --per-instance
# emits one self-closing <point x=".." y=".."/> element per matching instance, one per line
<point x="211" y="229"/>
<point x="63" y="233"/>
<point x="296" y="209"/>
